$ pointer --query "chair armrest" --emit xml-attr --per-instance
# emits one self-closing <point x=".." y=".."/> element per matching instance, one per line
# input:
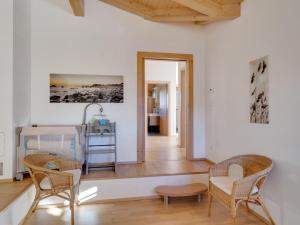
<point x="60" y="179"/>
<point x="68" y="164"/>
<point x="243" y="188"/>
<point x="56" y="178"/>
<point x="218" y="170"/>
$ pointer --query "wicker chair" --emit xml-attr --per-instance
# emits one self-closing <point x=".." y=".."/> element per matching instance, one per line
<point x="232" y="191"/>
<point x="61" y="180"/>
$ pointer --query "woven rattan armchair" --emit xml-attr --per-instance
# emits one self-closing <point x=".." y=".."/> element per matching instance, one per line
<point x="61" y="180"/>
<point x="232" y="191"/>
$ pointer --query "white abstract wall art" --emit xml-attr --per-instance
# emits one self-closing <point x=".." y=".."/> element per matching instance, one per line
<point x="69" y="88"/>
<point x="259" y="91"/>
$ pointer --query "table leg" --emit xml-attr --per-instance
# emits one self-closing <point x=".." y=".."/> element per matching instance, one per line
<point x="199" y="197"/>
<point x="166" y="200"/>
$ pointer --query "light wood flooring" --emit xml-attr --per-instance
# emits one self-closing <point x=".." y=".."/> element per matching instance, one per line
<point x="150" y="169"/>
<point x="163" y="158"/>
<point x="9" y="191"/>
<point x="163" y="148"/>
<point x="144" y="212"/>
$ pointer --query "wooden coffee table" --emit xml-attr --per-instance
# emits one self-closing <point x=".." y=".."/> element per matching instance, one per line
<point x="181" y="191"/>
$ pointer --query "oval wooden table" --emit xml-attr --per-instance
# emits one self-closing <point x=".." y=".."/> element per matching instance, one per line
<point x="181" y="191"/>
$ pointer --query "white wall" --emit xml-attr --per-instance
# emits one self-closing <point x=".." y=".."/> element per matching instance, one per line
<point x="22" y="62"/>
<point x="6" y="86"/>
<point x="105" y="41"/>
<point x="158" y="70"/>
<point x="268" y="27"/>
<point x="21" y="69"/>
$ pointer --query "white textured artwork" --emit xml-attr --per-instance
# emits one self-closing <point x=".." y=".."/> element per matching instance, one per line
<point x="259" y="91"/>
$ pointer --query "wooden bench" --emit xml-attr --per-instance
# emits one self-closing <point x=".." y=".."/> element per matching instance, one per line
<point x="181" y="191"/>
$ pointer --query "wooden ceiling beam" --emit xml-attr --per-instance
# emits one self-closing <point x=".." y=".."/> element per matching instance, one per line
<point x="179" y="18"/>
<point x="229" y="11"/>
<point x="207" y="7"/>
<point x="77" y="7"/>
<point x="196" y="11"/>
<point x="182" y="11"/>
<point x="133" y="7"/>
<point x="213" y="9"/>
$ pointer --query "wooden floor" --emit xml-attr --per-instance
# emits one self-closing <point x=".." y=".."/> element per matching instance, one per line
<point x="145" y="212"/>
<point x="163" y="158"/>
<point x="163" y="148"/>
<point x="10" y="191"/>
<point x="150" y="169"/>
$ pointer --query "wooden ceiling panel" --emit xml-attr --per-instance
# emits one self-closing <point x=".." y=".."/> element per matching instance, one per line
<point x="161" y="3"/>
<point x="183" y="11"/>
<point x="77" y="7"/>
<point x="228" y="1"/>
<point x="186" y="11"/>
<point x="133" y="6"/>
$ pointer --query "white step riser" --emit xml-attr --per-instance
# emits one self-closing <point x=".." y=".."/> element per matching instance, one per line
<point x="99" y="190"/>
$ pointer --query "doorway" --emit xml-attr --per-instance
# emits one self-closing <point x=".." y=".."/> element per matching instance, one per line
<point x="158" y="112"/>
<point x="165" y="107"/>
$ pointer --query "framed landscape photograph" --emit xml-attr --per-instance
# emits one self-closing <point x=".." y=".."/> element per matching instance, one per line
<point x="69" y="88"/>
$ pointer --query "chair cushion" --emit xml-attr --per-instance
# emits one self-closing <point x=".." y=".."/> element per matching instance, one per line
<point x="226" y="184"/>
<point x="45" y="183"/>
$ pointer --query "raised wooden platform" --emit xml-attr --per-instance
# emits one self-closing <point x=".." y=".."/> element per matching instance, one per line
<point x="10" y="191"/>
<point x="152" y="169"/>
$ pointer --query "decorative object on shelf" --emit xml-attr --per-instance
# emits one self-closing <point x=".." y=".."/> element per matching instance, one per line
<point x="100" y="139"/>
<point x="259" y="91"/>
<point x="94" y="118"/>
<point x="67" y="88"/>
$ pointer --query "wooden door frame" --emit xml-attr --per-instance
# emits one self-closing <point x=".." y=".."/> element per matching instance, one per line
<point x="182" y="115"/>
<point x="141" y="57"/>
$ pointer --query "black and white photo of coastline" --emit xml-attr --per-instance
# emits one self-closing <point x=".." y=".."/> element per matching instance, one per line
<point x="67" y="88"/>
<point x="259" y="91"/>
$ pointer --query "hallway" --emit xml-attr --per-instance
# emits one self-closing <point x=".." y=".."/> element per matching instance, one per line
<point x="163" y="148"/>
